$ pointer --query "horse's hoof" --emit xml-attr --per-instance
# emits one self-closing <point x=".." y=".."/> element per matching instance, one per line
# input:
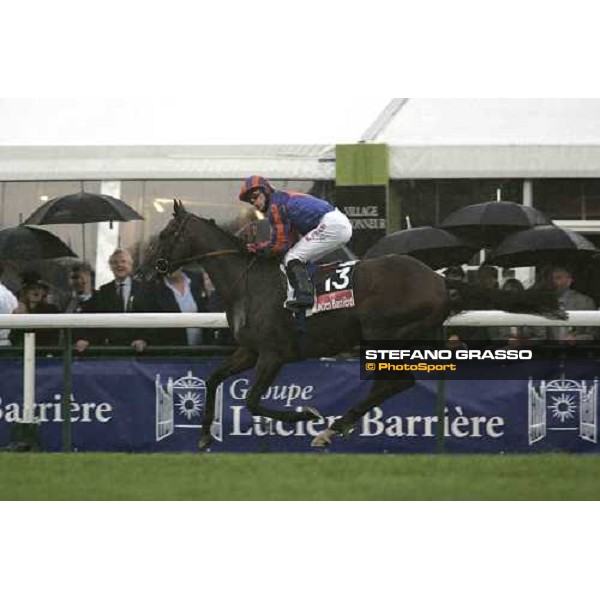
<point x="205" y="442"/>
<point x="323" y="439"/>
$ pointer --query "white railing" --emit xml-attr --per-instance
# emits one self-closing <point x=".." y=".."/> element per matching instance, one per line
<point x="113" y="320"/>
<point x="589" y="318"/>
<point x="498" y="318"/>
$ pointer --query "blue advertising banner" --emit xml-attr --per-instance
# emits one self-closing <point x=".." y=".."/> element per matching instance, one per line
<point x="146" y="405"/>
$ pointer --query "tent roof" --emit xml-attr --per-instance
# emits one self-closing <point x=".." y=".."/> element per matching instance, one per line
<point x="40" y="163"/>
<point x="178" y="138"/>
<point x="464" y="138"/>
<point x="295" y="119"/>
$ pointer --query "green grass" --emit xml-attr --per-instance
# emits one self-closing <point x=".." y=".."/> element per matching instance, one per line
<point x="298" y="477"/>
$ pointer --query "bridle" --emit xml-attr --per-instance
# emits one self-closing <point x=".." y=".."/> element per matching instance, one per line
<point x="163" y="266"/>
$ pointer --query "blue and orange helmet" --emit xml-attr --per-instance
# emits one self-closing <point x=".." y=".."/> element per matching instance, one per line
<point x="252" y="183"/>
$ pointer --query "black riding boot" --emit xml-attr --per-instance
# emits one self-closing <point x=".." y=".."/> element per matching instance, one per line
<point x="303" y="287"/>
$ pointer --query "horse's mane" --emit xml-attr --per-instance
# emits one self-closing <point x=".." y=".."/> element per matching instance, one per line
<point x="239" y="244"/>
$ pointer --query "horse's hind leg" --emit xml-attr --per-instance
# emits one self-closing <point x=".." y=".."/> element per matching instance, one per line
<point x="241" y="360"/>
<point x="409" y="327"/>
<point x="266" y="370"/>
<point x="380" y="391"/>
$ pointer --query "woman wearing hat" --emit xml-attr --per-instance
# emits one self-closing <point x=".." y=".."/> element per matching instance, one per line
<point x="33" y="299"/>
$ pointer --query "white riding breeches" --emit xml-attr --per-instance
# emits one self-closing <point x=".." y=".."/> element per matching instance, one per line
<point x="333" y="231"/>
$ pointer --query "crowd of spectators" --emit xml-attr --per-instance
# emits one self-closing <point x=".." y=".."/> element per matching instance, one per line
<point x="181" y="291"/>
<point x="192" y="291"/>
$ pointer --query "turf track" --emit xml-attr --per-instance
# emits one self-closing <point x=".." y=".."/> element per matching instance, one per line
<point x="298" y="477"/>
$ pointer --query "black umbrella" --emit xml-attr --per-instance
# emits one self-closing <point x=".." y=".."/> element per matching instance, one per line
<point x="82" y="208"/>
<point x="486" y="224"/>
<point x="542" y="246"/>
<point x="29" y="243"/>
<point x="435" y="247"/>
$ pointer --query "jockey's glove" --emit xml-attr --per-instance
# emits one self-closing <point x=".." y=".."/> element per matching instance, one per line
<point x="256" y="247"/>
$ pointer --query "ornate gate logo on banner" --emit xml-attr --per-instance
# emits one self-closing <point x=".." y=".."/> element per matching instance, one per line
<point x="563" y="405"/>
<point x="180" y="405"/>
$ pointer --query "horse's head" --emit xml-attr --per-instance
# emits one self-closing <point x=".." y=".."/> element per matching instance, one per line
<point x="186" y="238"/>
<point x="173" y="246"/>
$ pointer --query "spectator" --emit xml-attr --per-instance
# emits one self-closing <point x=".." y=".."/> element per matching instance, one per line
<point x="512" y="337"/>
<point x="487" y="277"/>
<point x="123" y="294"/>
<point x="543" y="278"/>
<point x="81" y="282"/>
<point x="513" y="285"/>
<point x="562" y="280"/>
<point x="179" y="292"/>
<point x="454" y="273"/>
<point x="455" y="342"/>
<point x="33" y="299"/>
<point x="8" y="304"/>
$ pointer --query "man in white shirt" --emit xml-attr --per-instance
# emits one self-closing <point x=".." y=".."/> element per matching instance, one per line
<point x="179" y="292"/>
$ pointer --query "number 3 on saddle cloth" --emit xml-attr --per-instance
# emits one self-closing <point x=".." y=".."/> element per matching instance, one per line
<point x="334" y="286"/>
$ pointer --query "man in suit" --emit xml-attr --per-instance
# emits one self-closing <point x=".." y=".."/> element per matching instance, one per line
<point x="561" y="279"/>
<point x="123" y="294"/>
<point x="80" y="280"/>
<point x="179" y="292"/>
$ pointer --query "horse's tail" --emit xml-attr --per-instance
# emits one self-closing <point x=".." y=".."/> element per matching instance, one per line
<point x="465" y="296"/>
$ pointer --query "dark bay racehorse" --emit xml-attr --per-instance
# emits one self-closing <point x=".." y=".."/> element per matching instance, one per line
<point x="397" y="298"/>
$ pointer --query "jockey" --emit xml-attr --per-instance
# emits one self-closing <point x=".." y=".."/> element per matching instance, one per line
<point x="321" y="226"/>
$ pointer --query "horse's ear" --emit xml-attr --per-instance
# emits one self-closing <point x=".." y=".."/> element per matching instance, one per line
<point x="178" y="208"/>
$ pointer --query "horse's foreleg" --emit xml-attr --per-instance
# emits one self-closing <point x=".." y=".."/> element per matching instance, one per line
<point x="266" y="370"/>
<point x="241" y="360"/>
<point x="380" y="391"/>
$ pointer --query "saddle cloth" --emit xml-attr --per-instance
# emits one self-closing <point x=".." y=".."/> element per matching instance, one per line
<point x="334" y="286"/>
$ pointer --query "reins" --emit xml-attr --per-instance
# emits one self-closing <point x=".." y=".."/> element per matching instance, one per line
<point x="200" y="257"/>
<point x="163" y="265"/>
